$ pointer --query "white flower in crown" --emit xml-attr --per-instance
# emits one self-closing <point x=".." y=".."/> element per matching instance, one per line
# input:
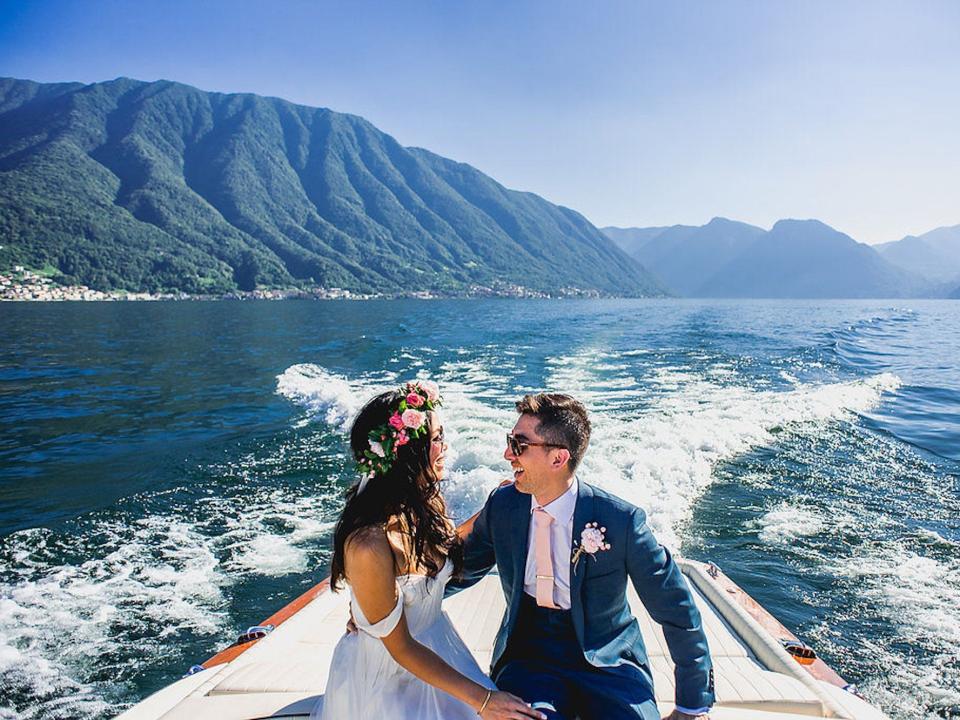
<point x="592" y="541"/>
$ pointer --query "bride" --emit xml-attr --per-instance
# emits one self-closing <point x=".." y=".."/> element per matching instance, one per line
<point x="396" y="548"/>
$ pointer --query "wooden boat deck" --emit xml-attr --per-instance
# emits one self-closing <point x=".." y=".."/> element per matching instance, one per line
<point x="284" y="673"/>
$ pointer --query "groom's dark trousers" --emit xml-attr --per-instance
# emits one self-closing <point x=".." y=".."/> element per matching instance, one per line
<point x="545" y="666"/>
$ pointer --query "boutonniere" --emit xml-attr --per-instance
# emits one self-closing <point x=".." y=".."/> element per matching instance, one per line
<point x="592" y="541"/>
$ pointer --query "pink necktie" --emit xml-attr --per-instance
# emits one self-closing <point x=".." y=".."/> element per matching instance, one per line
<point x="544" y="557"/>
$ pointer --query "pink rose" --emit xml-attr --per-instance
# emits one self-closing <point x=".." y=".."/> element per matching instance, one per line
<point x="431" y="389"/>
<point x="413" y="418"/>
<point x="402" y="440"/>
<point x="414" y="400"/>
<point x="396" y="422"/>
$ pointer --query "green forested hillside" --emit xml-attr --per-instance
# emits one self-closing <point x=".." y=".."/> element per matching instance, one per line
<point x="160" y="186"/>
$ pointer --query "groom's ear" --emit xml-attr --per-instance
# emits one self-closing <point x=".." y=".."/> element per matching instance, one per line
<point x="561" y="458"/>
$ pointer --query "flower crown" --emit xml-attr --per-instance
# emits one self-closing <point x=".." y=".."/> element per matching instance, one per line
<point x="407" y="422"/>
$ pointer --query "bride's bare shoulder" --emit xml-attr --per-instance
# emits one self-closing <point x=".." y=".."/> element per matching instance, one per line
<point x="368" y="546"/>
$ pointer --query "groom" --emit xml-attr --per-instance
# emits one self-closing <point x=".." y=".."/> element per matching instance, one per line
<point x="568" y="643"/>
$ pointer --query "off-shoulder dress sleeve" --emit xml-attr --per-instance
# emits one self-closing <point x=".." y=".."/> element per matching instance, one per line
<point x="383" y="627"/>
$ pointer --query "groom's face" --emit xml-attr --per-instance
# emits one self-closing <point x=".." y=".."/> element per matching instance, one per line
<point x="532" y="468"/>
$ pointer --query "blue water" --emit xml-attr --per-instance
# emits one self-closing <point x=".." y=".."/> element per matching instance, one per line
<point x="170" y="472"/>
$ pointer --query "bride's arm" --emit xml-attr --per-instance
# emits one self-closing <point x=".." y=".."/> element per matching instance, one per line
<point x="466" y="527"/>
<point x="370" y="571"/>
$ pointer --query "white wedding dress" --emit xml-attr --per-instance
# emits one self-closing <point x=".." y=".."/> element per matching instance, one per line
<point x="365" y="682"/>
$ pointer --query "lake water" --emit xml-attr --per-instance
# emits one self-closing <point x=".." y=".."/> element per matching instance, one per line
<point x="170" y="472"/>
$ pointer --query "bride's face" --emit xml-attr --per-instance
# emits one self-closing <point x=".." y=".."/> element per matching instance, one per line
<point x="438" y="448"/>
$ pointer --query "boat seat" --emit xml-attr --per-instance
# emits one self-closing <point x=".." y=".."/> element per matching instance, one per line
<point x="297" y="661"/>
<point x="743" y="683"/>
<point x="722" y="641"/>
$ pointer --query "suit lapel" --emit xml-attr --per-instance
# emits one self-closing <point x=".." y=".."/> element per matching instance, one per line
<point x="521" y="541"/>
<point x="582" y="514"/>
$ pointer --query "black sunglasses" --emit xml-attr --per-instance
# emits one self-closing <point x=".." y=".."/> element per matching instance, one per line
<point x="517" y="446"/>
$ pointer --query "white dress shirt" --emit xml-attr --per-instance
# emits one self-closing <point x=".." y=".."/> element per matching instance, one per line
<point x="561" y="546"/>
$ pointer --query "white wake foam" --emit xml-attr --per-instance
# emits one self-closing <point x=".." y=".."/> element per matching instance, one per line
<point x="663" y="458"/>
<point x="785" y="523"/>
<point x="660" y="459"/>
<point x="324" y="393"/>
<point x="142" y="584"/>
<point x="272" y="538"/>
<point x="58" y="620"/>
<point x="917" y="595"/>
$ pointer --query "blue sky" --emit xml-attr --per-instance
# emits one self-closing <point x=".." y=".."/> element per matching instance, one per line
<point x="634" y="113"/>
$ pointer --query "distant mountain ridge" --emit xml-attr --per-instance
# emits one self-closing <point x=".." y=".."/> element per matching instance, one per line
<point x="150" y="186"/>
<point x="685" y="257"/>
<point x="935" y="254"/>
<point x="794" y="259"/>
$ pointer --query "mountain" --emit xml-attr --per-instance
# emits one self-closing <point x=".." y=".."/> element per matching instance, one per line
<point x="934" y="255"/>
<point x="157" y="185"/>
<point x="685" y="257"/>
<point x="808" y="259"/>
<point x="795" y="259"/>
<point x="631" y="240"/>
<point x="955" y="295"/>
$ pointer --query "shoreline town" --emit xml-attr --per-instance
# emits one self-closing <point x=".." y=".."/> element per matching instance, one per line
<point x="24" y="285"/>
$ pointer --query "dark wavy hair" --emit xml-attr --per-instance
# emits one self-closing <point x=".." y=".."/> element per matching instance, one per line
<point x="409" y="491"/>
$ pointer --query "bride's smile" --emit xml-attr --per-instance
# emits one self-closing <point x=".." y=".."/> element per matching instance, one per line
<point x="438" y="445"/>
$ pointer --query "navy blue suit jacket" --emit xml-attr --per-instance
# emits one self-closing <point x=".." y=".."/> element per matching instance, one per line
<point x="608" y="633"/>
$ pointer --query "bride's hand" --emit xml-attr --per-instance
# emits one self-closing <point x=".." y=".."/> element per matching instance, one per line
<point x="504" y="706"/>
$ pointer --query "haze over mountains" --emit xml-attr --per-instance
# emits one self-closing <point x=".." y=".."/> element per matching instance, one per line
<point x="160" y="186"/>
<point x="794" y="259"/>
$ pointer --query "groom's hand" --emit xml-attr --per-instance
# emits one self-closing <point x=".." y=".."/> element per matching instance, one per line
<point x="677" y="715"/>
